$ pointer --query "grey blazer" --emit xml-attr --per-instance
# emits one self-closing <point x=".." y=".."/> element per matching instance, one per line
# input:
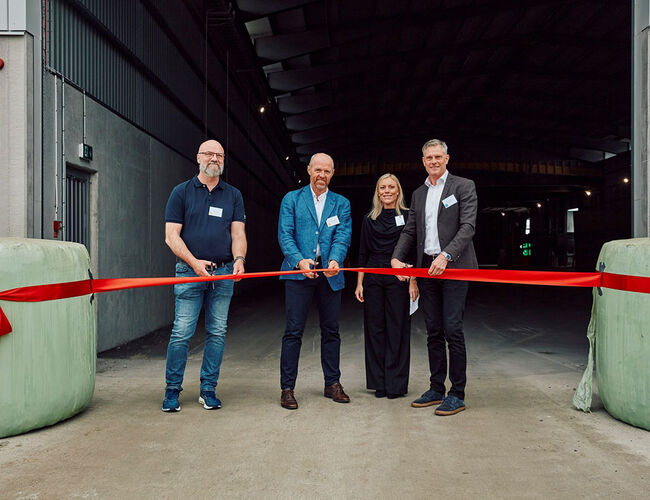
<point x="456" y="224"/>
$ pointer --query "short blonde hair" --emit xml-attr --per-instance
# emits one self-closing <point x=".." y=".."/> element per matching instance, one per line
<point x="376" y="202"/>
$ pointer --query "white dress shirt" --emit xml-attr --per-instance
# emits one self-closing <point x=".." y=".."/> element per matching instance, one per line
<point x="431" y="240"/>
<point x="319" y="204"/>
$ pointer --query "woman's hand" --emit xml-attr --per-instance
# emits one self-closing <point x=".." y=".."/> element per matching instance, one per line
<point x="358" y="293"/>
<point x="414" y="291"/>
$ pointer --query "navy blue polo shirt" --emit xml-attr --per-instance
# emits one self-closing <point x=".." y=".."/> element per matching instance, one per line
<point x="206" y="216"/>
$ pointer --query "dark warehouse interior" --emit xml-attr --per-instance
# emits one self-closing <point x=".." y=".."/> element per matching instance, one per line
<point x="533" y="99"/>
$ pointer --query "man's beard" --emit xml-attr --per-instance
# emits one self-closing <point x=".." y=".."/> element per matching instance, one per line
<point x="211" y="170"/>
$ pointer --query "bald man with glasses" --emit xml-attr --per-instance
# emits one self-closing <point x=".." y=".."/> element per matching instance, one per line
<point x="204" y="227"/>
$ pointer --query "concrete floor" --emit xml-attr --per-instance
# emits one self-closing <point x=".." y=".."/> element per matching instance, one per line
<point x="519" y="438"/>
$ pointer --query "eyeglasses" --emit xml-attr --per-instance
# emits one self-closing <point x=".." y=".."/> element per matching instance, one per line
<point x="210" y="154"/>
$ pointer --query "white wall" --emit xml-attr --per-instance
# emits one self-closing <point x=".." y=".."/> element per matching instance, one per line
<point x="16" y="136"/>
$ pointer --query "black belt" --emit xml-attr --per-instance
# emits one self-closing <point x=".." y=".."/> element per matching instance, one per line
<point x="217" y="263"/>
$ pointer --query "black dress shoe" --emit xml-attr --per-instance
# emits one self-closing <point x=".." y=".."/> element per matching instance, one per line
<point x="395" y="396"/>
<point x="380" y="394"/>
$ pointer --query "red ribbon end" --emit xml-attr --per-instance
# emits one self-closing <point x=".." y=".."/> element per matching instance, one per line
<point x="5" y="326"/>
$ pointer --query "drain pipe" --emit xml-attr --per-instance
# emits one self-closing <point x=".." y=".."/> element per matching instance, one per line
<point x="83" y="126"/>
<point x="56" y="158"/>
<point x="63" y="166"/>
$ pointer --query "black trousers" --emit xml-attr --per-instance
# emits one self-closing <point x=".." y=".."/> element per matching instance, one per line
<point x="443" y="305"/>
<point x="387" y="329"/>
<point x="299" y="295"/>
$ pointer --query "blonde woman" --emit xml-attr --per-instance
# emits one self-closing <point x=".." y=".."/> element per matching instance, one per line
<point x="387" y="324"/>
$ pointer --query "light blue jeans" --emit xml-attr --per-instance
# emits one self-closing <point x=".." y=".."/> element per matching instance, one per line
<point x="190" y="297"/>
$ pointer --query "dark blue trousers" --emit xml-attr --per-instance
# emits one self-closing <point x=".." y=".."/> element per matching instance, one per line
<point x="299" y="295"/>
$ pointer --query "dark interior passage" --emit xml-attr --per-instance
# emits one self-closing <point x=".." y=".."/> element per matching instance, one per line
<point x="533" y="99"/>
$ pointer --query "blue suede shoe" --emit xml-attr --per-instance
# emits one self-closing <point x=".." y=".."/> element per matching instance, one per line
<point x="429" y="398"/>
<point x="450" y="406"/>
<point x="209" y="400"/>
<point x="170" y="403"/>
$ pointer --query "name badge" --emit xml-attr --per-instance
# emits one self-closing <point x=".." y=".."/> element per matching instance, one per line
<point x="449" y="201"/>
<point x="332" y="221"/>
<point x="399" y="220"/>
<point x="215" y="211"/>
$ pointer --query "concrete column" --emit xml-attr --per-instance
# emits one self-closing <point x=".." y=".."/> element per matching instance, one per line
<point x="20" y="127"/>
<point x="640" y="118"/>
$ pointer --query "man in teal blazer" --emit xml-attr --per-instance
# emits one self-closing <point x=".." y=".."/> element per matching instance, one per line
<point x="314" y="232"/>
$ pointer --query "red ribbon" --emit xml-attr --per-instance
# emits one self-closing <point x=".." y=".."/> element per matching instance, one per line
<point x="38" y="293"/>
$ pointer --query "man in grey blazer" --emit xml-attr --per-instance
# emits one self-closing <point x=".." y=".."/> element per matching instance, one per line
<point x="441" y="225"/>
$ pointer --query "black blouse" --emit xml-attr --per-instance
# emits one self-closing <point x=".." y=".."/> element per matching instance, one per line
<point x="379" y="237"/>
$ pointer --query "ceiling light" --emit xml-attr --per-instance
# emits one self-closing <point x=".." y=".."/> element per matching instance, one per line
<point x="286" y="158"/>
<point x="262" y="109"/>
<point x="588" y="193"/>
<point x="503" y="214"/>
<point x="626" y="180"/>
<point x="539" y="205"/>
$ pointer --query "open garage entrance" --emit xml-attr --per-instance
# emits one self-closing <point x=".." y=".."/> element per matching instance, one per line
<point x="533" y="99"/>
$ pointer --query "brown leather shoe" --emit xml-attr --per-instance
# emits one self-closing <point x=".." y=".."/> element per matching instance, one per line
<point x="288" y="400"/>
<point x="335" y="391"/>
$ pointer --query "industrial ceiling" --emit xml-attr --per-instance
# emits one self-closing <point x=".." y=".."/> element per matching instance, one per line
<point x="371" y="80"/>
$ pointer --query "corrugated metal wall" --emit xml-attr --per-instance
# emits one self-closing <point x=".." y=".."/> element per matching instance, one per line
<point x="106" y="48"/>
<point x="120" y="55"/>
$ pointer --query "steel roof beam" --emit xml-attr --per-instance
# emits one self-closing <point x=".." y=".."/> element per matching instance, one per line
<point x="253" y="9"/>
<point x="296" y="79"/>
<point x="348" y="131"/>
<point x="281" y="47"/>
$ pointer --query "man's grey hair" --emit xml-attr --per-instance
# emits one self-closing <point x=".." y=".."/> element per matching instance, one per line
<point x="433" y="143"/>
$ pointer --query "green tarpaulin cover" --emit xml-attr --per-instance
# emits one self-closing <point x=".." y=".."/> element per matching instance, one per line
<point x="47" y="364"/>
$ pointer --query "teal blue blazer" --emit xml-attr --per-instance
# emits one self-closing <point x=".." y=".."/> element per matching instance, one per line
<point x="299" y="232"/>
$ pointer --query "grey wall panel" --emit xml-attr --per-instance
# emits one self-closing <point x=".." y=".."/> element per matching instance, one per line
<point x="133" y="174"/>
<point x="145" y="111"/>
<point x="128" y="50"/>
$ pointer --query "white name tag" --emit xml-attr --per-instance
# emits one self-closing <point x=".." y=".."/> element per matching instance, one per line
<point x="399" y="220"/>
<point x="449" y="201"/>
<point x="215" y="211"/>
<point x="332" y="221"/>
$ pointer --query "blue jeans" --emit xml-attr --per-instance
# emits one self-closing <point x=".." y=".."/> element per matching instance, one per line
<point x="190" y="297"/>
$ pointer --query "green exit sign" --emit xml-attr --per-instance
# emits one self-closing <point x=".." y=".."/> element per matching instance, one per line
<point x="85" y="151"/>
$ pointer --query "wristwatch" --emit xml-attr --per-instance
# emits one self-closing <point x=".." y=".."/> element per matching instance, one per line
<point x="447" y="256"/>
<point x="240" y="257"/>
